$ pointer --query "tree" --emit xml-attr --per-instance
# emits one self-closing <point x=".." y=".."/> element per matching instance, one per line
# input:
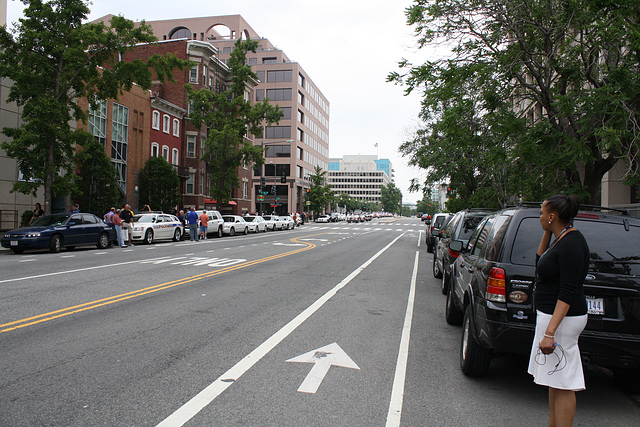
<point x="391" y="198"/>
<point x="159" y="185"/>
<point x="53" y="59"/>
<point x="569" y="67"/>
<point x="320" y="194"/>
<point x="99" y="185"/>
<point x="229" y="118"/>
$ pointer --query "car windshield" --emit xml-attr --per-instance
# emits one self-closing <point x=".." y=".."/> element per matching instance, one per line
<point x="268" y="218"/>
<point x="143" y="218"/>
<point x="229" y="218"/>
<point x="48" y="220"/>
<point x="249" y="218"/>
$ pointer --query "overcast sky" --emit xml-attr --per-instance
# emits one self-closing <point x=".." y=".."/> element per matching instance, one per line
<point x="347" y="47"/>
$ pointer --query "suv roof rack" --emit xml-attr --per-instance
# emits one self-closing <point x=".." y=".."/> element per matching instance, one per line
<point x="592" y="208"/>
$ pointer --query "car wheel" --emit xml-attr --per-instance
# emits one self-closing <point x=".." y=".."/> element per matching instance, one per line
<point x="246" y="231"/>
<point x="264" y="230"/>
<point x="452" y="313"/>
<point x="232" y="231"/>
<point x="628" y="379"/>
<point x="176" y="235"/>
<point x="446" y="283"/>
<point x="55" y="244"/>
<point x="436" y="270"/>
<point x="17" y="250"/>
<point x="103" y="241"/>
<point x="219" y="233"/>
<point x="148" y="237"/>
<point x="474" y="359"/>
<point x="429" y="247"/>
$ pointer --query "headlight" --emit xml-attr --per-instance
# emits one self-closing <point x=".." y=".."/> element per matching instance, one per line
<point x="7" y="235"/>
<point x="32" y="234"/>
<point x="137" y="228"/>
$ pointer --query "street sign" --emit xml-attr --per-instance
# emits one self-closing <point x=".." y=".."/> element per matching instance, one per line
<point x="277" y="198"/>
<point x="307" y="203"/>
<point x="260" y="198"/>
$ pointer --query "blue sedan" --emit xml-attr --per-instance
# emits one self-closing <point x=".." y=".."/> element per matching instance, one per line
<point x="60" y="231"/>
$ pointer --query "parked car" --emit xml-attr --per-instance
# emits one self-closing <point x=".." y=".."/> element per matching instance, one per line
<point x="58" y="231"/>
<point x="323" y="218"/>
<point x="256" y="223"/>
<point x="148" y="227"/>
<point x="234" y="224"/>
<point x="214" y="225"/>
<point x="491" y="292"/>
<point x="460" y="228"/>
<point x="287" y="222"/>
<point x="273" y="222"/>
<point x="438" y="222"/>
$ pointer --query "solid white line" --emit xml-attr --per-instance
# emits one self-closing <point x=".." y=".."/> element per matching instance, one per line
<point x="397" y="393"/>
<point x="215" y="389"/>
<point x="419" y="238"/>
<point x="66" y="272"/>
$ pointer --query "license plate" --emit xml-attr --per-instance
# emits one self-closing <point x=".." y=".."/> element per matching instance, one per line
<point x="595" y="305"/>
<point x="14" y="243"/>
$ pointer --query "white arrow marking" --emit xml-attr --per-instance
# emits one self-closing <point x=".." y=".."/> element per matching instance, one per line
<point x="289" y="244"/>
<point x="322" y="358"/>
<point x="315" y="240"/>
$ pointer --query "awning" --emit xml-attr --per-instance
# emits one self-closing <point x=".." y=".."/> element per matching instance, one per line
<point x="213" y="202"/>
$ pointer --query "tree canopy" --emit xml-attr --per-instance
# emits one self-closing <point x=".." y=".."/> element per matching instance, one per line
<point x="535" y="97"/>
<point x="391" y="197"/>
<point x="53" y="58"/>
<point x="99" y="185"/>
<point x="320" y="194"/>
<point x="159" y="185"/>
<point x="230" y="117"/>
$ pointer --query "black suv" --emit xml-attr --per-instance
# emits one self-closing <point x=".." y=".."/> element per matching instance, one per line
<point x="491" y="292"/>
<point x="460" y="228"/>
<point x="438" y="222"/>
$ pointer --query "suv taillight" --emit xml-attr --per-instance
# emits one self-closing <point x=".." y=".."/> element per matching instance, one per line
<point x="454" y="254"/>
<point x="496" y="284"/>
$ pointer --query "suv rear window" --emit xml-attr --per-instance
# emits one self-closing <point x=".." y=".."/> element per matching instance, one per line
<point x="612" y="248"/>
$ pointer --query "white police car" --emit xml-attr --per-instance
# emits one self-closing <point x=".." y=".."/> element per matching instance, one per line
<point x="156" y="226"/>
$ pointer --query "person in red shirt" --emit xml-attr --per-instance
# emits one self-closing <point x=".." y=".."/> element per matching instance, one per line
<point x="204" y="220"/>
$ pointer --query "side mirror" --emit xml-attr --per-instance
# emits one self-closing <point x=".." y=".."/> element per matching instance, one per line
<point x="456" y="246"/>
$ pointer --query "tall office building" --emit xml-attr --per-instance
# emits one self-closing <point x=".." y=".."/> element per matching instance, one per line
<point x="360" y="176"/>
<point x="300" y="141"/>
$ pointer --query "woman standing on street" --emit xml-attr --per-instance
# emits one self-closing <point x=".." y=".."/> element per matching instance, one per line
<point x="561" y="307"/>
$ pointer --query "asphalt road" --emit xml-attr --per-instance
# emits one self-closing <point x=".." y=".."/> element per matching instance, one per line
<point x="325" y="325"/>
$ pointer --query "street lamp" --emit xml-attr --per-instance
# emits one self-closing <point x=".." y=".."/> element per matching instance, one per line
<point x="262" y="180"/>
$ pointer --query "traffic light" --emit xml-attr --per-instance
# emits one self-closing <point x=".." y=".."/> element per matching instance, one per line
<point x="283" y="179"/>
<point x="263" y="181"/>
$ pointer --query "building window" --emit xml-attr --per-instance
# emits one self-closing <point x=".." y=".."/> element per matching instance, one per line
<point x="190" y="181"/>
<point x="300" y="98"/>
<point x="300" y="153"/>
<point x="201" y="182"/>
<point x="165" y="153"/>
<point x="300" y="79"/>
<point x="155" y="149"/>
<point x="227" y="49"/>
<point x="204" y="75"/>
<point x="279" y="76"/>
<point x="277" y="132"/>
<point x="191" y="146"/>
<point x="260" y="75"/>
<point x="191" y="107"/>
<point x="270" y="60"/>
<point x="252" y="61"/>
<point x="193" y="75"/>
<point x="119" y="143"/>
<point x="259" y="94"/>
<point x="245" y="190"/>
<point x="175" y="156"/>
<point x="97" y="122"/>
<point x="279" y="94"/>
<point x="155" y="123"/>
<point x="203" y="141"/>
<point x="300" y="135"/>
<point x="176" y="127"/>
<point x="278" y="151"/>
<point x="166" y="124"/>
<point x="300" y="116"/>
<point x="286" y="113"/>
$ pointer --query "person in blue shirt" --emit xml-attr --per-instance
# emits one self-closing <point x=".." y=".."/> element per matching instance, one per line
<point x="192" y="221"/>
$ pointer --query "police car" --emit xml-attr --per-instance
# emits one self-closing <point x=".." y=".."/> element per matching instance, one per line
<point x="156" y="226"/>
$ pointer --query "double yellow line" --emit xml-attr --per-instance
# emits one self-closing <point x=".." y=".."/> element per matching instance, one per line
<point x="46" y="317"/>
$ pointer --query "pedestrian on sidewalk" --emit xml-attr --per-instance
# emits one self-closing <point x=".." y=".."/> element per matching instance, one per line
<point x="192" y="221"/>
<point x="117" y="223"/>
<point x="204" y="221"/>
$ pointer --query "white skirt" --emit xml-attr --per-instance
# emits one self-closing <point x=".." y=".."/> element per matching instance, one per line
<point x="561" y="369"/>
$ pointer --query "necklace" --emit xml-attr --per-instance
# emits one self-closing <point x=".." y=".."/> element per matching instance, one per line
<point x="567" y="228"/>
